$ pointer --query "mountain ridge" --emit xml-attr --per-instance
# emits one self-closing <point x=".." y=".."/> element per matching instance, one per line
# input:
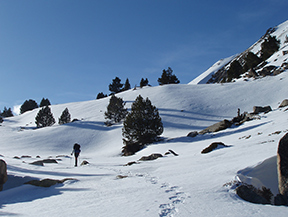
<point x="279" y="60"/>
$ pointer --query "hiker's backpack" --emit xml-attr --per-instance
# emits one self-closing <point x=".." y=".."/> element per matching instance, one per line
<point x="76" y="147"/>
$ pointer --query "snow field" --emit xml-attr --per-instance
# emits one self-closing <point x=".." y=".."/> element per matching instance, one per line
<point x="190" y="184"/>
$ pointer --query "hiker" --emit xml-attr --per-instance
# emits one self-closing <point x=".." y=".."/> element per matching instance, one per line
<point x="76" y="151"/>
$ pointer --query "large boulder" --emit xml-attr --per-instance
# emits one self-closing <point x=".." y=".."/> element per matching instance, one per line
<point x="259" y="109"/>
<point x="284" y="103"/>
<point x="3" y="173"/>
<point x="222" y="125"/>
<point x="282" y="167"/>
<point x="251" y="194"/>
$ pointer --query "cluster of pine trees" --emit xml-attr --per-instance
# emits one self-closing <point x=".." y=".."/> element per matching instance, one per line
<point x="6" y="113"/>
<point x="141" y="126"/>
<point x="45" y="118"/>
<point x="31" y="104"/>
<point x="116" y="86"/>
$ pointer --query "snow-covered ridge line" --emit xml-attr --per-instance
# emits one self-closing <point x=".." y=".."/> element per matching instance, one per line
<point x="277" y="59"/>
<point x="205" y="76"/>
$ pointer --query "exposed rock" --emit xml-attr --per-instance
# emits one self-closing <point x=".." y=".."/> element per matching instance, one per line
<point x="3" y="173"/>
<point x="172" y="152"/>
<point x="252" y="73"/>
<point x="249" y="193"/>
<point x="150" y="157"/>
<point x="47" y="182"/>
<point x="121" y="177"/>
<point x="38" y="163"/>
<point x="268" y="70"/>
<point x="259" y="109"/>
<point x="282" y="166"/>
<point x="241" y="118"/>
<point x="26" y="156"/>
<point x="130" y="163"/>
<point x="192" y="134"/>
<point x="222" y="125"/>
<point x="50" y="161"/>
<point x="84" y="162"/>
<point x="41" y="162"/>
<point x="284" y="103"/>
<point x="213" y="146"/>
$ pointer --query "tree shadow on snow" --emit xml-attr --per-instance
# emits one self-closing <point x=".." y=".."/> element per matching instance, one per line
<point x="189" y="113"/>
<point x="93" y="125"/>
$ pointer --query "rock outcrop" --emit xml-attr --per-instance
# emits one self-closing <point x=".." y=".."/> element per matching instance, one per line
<point x="251" y="194"/>
<point x="222" y="125"/>
<point x="282" y="167"/>
<point x="45" y="161"/>
<point x="284" y="103"/>
<point x="47" y="182"/>
<point x="3" y="173"/>
<point x="213" y="146"/>
<point x="150" y="157"/>
<point x="259" y="109"/>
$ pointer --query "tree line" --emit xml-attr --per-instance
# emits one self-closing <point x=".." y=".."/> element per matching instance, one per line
<point x="116" y="86"/>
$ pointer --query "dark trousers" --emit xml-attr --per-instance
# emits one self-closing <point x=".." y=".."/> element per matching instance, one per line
<point x="76" y="159"/>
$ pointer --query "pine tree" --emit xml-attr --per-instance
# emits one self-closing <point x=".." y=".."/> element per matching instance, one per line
<point x="168" y="78"/>
<point x="28" y="105"/>
<point x="44" y="118"/>
<point x="101" y="95"/>
<point x="44" y="102"/>
<point x="251" y="61"/>
<point x="65" y="117"/>
<point x="144" y="82"/>
<point x="7" y="113"/>
<point x="127" y="85"/>
<point x="115" y="110"/>
<point x="269" y="47"/>
<point x="116" y="85"/>
<point x="234" y="71"/>
<point x="141" y="126"/>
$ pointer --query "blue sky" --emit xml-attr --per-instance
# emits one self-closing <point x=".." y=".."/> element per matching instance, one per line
<point x="70" y="50"/>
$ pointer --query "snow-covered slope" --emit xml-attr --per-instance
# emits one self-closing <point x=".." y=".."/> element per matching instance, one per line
<point x="205" y="76"/>
<point x="190" y="184"/>
<point x="218" y="72"/>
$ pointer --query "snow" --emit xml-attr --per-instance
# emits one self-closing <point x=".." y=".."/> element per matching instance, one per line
<point x="190" y="184"/>
<point x="205" y="76"/>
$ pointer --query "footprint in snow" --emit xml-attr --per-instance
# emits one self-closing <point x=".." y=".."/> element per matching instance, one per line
<point x="176" y="197"/>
